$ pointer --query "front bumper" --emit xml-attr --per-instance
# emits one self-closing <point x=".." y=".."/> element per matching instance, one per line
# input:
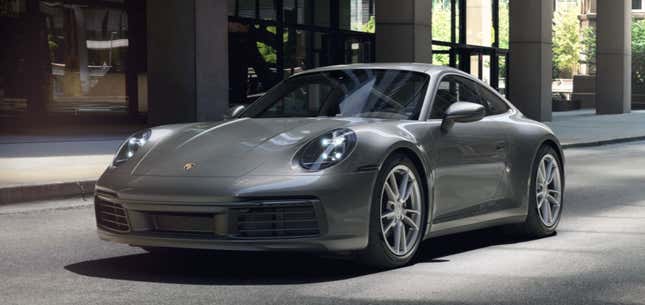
<point x="303" y="213"/>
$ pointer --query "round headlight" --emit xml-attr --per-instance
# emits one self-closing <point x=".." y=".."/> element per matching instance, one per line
<point x="328" y="149"/>
<point x="130" y="146"/>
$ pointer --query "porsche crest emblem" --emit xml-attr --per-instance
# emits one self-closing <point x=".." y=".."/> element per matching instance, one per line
<point x="189" y="166"/>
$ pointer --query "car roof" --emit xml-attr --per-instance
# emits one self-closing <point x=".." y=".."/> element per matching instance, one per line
<point x="416" y="67"/>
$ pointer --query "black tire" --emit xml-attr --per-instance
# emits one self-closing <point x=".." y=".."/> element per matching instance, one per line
<point x="533" y="226"/>
<point x="377" y="254"/>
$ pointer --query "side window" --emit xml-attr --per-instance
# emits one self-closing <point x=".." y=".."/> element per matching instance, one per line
<point x="453" y="89"/>
<point x="494" y="105"/>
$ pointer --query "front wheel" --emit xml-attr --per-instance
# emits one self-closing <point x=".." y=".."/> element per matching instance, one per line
<point x="546" y="196"/>
<point x="397" y="215"/>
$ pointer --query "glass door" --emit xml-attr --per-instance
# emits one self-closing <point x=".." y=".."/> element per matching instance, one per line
<point x="358" y="49"/>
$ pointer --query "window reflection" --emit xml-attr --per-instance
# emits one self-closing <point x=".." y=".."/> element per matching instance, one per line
<point x="472" y="35"/>
<point x="357" y="15"/>
<point x="309" y="12"/>
<point x="479" y="23"/>
<point x="88" y="47"/>
<point x="264" y="49"/>
<point x="65" y="57"/>
<point x="253" y="63"/>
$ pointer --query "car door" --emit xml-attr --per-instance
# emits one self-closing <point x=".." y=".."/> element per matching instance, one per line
<point x="469" y="157"/>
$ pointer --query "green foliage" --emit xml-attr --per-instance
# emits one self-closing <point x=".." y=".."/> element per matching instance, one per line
<point x="370" y="26"/>
<point x="503" y="24"/>
<point x="269" y="54"/>
<point x="638" y="56"/>
<point x="588" y="49"/>
<point x="638" y="53"/>
<point x="441" y="29"/>
<point x="566" y="43"/>
<point x="51" y="43"/>
<point x="504" y="33"/>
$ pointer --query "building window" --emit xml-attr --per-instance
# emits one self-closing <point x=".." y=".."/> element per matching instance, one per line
<point x="472" y="35"/>
<point x="637" y="5"/>
<point x="271" y="40"/>
<point x="79" y="66"/>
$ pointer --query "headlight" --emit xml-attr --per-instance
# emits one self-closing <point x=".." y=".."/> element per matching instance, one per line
<point x="328" y="149"/>
<point x="130" y="146"/>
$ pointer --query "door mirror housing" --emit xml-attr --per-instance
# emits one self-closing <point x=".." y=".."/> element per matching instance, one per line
<point x="462" y="112"/>
<point x="235" y="111"/>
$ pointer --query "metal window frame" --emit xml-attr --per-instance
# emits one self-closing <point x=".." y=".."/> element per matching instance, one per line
<point x="459" y="48"/>
<point x="337" y="36"/>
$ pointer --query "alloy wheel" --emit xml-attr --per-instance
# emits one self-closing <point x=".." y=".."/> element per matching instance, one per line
<point x="401" y="210"/>
<point x="548" y="190"/>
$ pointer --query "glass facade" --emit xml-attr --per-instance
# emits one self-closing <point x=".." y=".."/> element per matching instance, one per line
<point x="65" y="57"/>
<point x="90" y="57"/>
<point x="472" y="35"/>
<point x="270" y="40"/>
<point x="76" y="57"/>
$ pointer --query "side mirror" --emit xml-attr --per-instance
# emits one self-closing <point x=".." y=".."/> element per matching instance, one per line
<point x="462" y="112"/>
<point x="235" y="111"/>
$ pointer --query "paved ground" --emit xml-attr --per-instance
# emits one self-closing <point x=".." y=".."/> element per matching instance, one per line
<point x="584" y="126"/>
<point x="49" y="254"/>
<point x="63" y="160"/>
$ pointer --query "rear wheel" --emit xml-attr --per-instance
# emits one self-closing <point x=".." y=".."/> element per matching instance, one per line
<point x="546" y="196"/>
<point x="397" y="215"/>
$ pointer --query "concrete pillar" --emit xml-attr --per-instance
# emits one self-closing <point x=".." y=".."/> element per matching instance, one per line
<point x="403" y="31"/>
<point x="211" y="63"/>
<point x="614" y="57"/>
<point x="531" y="57"/>
<point x="187" y="60"/>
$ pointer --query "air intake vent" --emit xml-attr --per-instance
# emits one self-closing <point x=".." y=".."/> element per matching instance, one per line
<point x="276" y="221"/>
<point x="111" y="216"/>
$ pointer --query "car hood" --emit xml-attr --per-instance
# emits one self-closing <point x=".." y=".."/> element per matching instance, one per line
<point x="231" y="148"/>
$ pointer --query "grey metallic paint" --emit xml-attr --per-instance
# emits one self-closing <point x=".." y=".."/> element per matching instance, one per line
<point x="476" y="174"/>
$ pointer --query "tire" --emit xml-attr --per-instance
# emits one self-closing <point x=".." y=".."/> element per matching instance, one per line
<point x="381" y="251"/>
<point x="535" y="224"/>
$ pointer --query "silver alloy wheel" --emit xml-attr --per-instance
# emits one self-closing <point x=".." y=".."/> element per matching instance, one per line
<point x="548" y="190"/>
<point x="401" y="210"/>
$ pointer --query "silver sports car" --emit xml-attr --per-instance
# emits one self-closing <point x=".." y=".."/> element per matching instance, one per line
<point x="365" y="159"/>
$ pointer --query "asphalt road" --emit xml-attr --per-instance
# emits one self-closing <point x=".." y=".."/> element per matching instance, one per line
<point x="49" y="254"/>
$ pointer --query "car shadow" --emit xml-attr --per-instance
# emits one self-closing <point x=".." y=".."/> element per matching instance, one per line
<point x="433" y="250"/>
<point x="258" y="268"/>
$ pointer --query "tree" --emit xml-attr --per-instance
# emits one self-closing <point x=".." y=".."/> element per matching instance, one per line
<point x="503" y="24"/>
<point x="370" y="26"/>
<point x="441" y="29"/>
<point x="638" y="53"/>
<point x="504" y="33"/>
<point x="638" y="56"/>
<point x="588" y="50"/>
<point x="566" y="43"/>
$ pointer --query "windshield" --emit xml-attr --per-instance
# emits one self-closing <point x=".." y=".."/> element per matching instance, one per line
<point x="371" y="93"/>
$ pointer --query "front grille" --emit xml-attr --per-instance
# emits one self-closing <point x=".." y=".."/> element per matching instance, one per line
<point x="183" y="223"/>
<point x="111" y="216"/>
<point x="276" y="221"/>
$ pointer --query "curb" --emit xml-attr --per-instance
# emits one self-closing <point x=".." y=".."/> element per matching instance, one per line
<point x="603" y="142"/>
<point x="27" y="193"/>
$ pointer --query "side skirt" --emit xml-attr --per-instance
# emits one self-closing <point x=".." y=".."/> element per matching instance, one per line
<point x="475" y="223"/>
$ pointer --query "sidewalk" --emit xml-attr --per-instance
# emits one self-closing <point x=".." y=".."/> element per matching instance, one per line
<point x="33" y="168"/>
<point x="584" y="128"/>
